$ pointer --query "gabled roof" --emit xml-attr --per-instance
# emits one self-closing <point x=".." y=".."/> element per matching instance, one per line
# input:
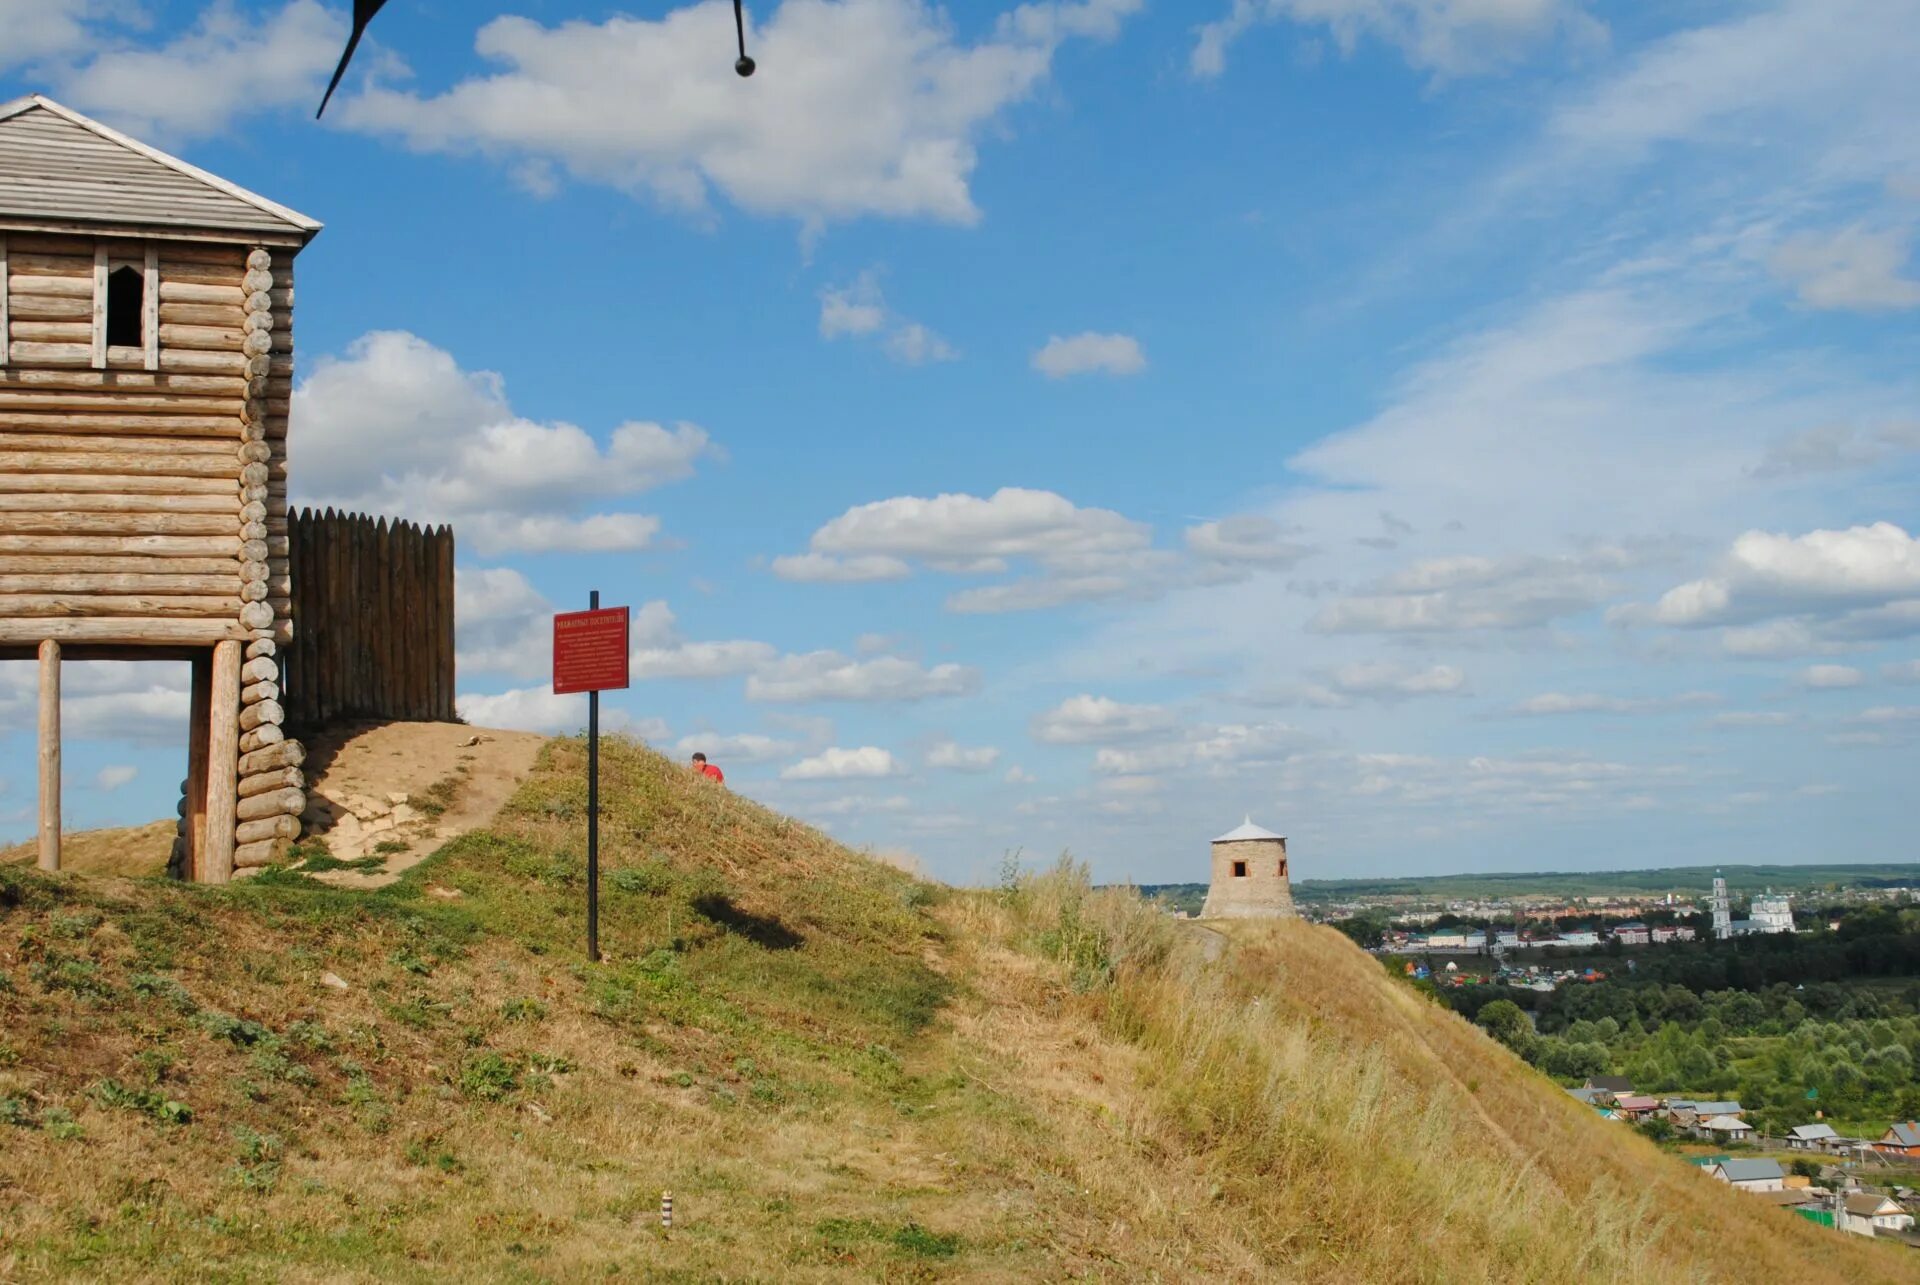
<point x="1863" y="1204"/>
<point x="1750" y="1170"/>
<point x="1907" y="1135"/>
<point x="59" y="167"/>
<point x="1632" y="1102"/>
<point x="1727" y="1124"/>
<point x="1247" y="830"/>
<point x="1813" y="1132"/>
<point x="1717" y="1108"/>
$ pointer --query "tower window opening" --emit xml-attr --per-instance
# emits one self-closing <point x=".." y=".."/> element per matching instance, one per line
<point x="126" y="301"/>
<point x="1282" y="871"/>
<point x="1239" y="870"/>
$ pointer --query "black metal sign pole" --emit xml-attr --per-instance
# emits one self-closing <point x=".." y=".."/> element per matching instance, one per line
<point x="593" y="813"/>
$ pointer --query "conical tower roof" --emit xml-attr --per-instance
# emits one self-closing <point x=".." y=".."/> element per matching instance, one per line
<point x="1247" y="830"/>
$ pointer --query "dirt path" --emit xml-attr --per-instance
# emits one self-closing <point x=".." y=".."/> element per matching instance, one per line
<point x="383" y="796"/>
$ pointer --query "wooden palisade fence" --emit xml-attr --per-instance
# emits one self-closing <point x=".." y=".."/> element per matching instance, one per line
<point x="373" y="620"/>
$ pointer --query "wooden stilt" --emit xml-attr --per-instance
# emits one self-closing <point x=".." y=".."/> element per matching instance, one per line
<point x="199" y="728"/>
<point x="49" y="755"/>
<point x="223" y="763"/>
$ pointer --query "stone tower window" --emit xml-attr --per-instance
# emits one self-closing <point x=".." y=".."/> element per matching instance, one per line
<point x="126" y="301"/>
<point x="1282" y="872"/>
<point x="1239" y="870"/>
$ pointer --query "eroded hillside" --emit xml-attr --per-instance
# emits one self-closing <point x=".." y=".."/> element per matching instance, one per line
<point x="835" y="1067"/>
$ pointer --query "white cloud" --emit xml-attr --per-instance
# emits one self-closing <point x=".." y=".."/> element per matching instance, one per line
<point x="822" y="568"/>
<point x="857" y="805"/>
<point x="837" y="764"/>
<point x="1551" y="703"/>
<point x="397" y="426"/>
<point x="1443" y="595"/>
<point x="537" y="709"/>
<point x="1017" y="775"/>
<point x="1905" y="671"/>
<point x="229" y="67"/>
<point x="1248" y="539"/>
<point x="1830" y="448"/>
<point x="1451" y="37"/>
<point x="1084" y="554"/>
<point x="113" y="777"/>
<point x="742" y="747"/>
<point x="960" y="758"/>
<point x="1831" y="676"/>
<point x="1088" y="720"/>
<point x="39" y="29"/>
<point x="863" y="107"/>
<point x="1854" y="268"/>
<point x="1768" y="574"/>
<point x="860" y="309"/>
<point x="503" y="624"/>
<point x="1219" y="748"/>
<point x="1751" y="718"/>
<point x="830" y="676"/>
<point x="1090" y="352"/>
<point x="701" y="659"/>
<point x="1890" y="714"/>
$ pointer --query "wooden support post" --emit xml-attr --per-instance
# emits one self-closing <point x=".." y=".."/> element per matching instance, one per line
<point x="49" y="755"/>
<point x="223" y="763"/>
<point x="199" y="729"/>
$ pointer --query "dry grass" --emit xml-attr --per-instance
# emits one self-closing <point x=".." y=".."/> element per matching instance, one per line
<point x="839" y="1070"/>
<point x="129" y="850"/>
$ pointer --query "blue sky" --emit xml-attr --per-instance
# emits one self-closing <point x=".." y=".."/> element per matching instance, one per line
<point x="1462" y="434"/>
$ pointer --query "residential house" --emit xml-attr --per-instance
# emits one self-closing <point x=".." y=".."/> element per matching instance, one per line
<point x="1706" y="1110"/>
<point x="1866" y="1214"/>
<point x="1812" y="1137"/>
<point x="1635" y="934"/>
<point x="1587" y="1097"/>
<point x="1900" y="1140"/>
<point x="1723" y="1128"/>
<point x="1751" y="1175"/>
<point x="1788" y="1197"/>
<point x="1635" y="1106"/>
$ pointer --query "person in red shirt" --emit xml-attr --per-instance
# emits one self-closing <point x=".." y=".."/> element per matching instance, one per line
<point x="707" y="769"/>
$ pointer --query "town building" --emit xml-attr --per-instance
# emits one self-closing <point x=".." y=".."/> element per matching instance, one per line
<point x="1250" y="878"/>
<point x="1771" y="914"/>
<point x="1869" y="1214"/>
<point x="1751" y="1175"/>
<point x="1900" y="1140"/>
<point x="1812" y="1137"/>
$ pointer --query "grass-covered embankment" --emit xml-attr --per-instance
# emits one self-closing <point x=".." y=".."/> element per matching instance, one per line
<point x="835" y="1067"/>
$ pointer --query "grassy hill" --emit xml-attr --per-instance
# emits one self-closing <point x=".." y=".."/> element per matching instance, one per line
<point x="838" y="1070"/>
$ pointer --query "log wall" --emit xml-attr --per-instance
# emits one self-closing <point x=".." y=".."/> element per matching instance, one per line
<point x="143" y="488"/>
<point x="373" y="612"/>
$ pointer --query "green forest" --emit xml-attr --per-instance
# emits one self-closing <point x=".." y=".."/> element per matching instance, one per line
<point x="1787" y="1025"/>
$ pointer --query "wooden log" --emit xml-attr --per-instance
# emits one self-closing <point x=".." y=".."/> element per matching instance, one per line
<point x="150" y="309"/>
<point x="22" y="606"/>
<point x="135" y="631"/>
<point x="219" y="255"/>
<point x="115" y="583"/>
<point x="261" y="737"/>
<point x="259" y="669"/>
<point x="145" y="424"/>
<point x="277" y="778"/>
<point x="110" y="484"/>
<point x="283" y="755"/>
<point x="223" y="757"/>
<point x="109" y="401"/>
<point x="222" y="315"/>
<point x="257" y="615"/>
<point x="190" y="546"/>
<point x="50" y="332"/>
<point x="46" y="354"/>
<point x="73" y="263"/>
<point x="206" y="338"/>
<point x="98" y="357"/>
<point x="261" y="647"/>
<point x="273" y="803"/>
<point x="199" y="731"/>
<point x="255" y="856"/>
<point x="111" y="565"/>
<point x="262" y="712"/>
<point x="203" y="362"/>
<point x="267" y="828"/>
<point x="30" y="523"/>
<point x="13" y="442"/>
<point x="191" y="292"/>
<point x="113" y="382"/>
<point x="50" y="754"/>
<point x="48" y="285"/>
<point x="254" y="693"/>
<point x="98" y="502"/>
<point x="48" y="307"/>
<point x="183" y="463"/>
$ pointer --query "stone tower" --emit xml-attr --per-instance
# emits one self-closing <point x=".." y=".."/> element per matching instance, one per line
<point x="1249" y="876"/>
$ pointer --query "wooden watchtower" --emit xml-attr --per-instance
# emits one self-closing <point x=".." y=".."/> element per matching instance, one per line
<point x="146" y="363"/>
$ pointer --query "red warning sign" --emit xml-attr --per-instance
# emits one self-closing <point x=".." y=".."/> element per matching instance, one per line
<point x="589" y="650"/>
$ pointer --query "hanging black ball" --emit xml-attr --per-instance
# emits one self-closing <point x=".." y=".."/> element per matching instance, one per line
<point x="744" y="66"/>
